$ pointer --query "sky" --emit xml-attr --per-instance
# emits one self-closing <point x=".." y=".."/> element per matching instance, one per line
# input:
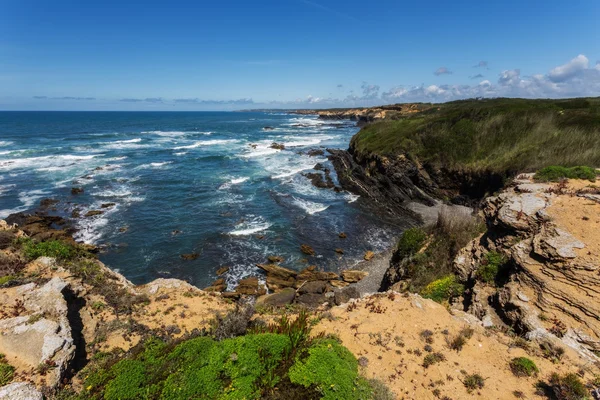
<point x="241" y="54"/>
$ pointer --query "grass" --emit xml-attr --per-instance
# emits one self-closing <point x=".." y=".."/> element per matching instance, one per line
<point x="556" y="173"/>
<point x="433" y="358"/>
<point x="7" y="372"/>
<point x="502" y="135"/>
<point x="523" y="366"/>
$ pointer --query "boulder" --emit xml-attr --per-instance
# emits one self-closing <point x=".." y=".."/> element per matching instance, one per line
<point x="276" y="270"/>
<point x="218" y="286"/>
<point x="353" y="276"/>
<point x="277" y="146"/>
<point x="20" y="391"/>
<point x="275" y="259"/>
<point x="312" y="300"/>
<point x="222" y="270"/>
<point x="317" y="287"/>
<point x="342" y="296"/>
<point x="93" y="213"/>
<point x="76" y="191"/>
<point x="249" y="286"/>
<point x="279" y="299"/>
<point x="312" y="275"/>
<point x="342" y="235"/>
<point x="369" y="255"/>
<point x="338" y="284"/>
<point x="41" y="333"/>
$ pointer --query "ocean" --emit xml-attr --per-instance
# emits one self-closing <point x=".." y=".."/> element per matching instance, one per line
<point x="207" y="183"/>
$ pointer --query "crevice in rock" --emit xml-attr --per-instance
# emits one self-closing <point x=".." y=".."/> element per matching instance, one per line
<point x="74" y="306"/>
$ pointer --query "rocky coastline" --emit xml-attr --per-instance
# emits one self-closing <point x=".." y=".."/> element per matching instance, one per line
<point x="522" y="283"/>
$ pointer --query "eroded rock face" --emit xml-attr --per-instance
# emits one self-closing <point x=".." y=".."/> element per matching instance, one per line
<point x="41" y="333"/>
<point x="553" y="285"/>
<point x="20" y="391"/>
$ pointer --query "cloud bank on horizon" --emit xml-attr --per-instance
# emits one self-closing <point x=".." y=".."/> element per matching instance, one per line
<point x="576" y="78"/>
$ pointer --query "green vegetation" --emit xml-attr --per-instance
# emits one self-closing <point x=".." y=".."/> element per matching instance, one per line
<point x="430" y="271"/>
<point x="5" y="279"/>
<point x="411" y="241"/>
<point x="491" y="266"/>
<point x="555" y="173"/>
<point x="333" y="370"/>
<point x="433" y="358"/>
<point x="443" y="289"/>
<point x="459" y="341"/>
<point x="504" y="136"/>
<point x="53" y="248"/>
<point x="473" y="382"/>
<point x="273" y="361"/>
<point x="568" y="387"/>
<point x="7" y="371"/>
<point x="523" y="366"/>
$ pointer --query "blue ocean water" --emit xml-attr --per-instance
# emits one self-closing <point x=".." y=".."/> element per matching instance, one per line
<point x="188" y="182"/>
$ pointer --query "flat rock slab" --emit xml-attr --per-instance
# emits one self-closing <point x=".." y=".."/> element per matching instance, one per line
<point x="20" y="391"/>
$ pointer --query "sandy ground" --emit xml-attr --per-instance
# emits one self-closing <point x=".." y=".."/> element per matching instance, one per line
<point x="384" y="332"/>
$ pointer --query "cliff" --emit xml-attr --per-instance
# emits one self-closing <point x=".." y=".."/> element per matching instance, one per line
<point x="364" y="116"/>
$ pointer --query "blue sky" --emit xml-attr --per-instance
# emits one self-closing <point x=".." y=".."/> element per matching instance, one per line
<point x="232" y="54"/>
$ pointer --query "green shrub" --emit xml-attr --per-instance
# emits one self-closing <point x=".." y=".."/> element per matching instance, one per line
<point x="411" y="241"/>
<point x="433" y="358"/>
<point x="523" y="366"/>
<point x="568" y="387"/>
<point x="380" y="391"/>
<point x="333" y="370"/>
<point x="443" y="289"/>
<point x="459" y="341"/>
<point x="6" y="373"/>
<point x="555" y="173"/>
<point x="490" y="267"/>
<point x="473" y="382"/>
<point x="53" y="248"/>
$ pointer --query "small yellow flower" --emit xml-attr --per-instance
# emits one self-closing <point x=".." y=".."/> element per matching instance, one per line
<point x="89" y="387"/>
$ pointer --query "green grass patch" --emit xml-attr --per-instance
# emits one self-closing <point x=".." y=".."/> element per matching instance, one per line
<point x="523" y="366"/>
<point x="5" y="279"/>
<point x="556" y="173"/>
<point x="500" y="135"/>
<point x="7" y="372"/>
<point x="411" y="241"/>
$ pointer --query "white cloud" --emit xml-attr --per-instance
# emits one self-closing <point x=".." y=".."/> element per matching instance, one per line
<point x="442" y="71"/>
<point x="569" y="70"/>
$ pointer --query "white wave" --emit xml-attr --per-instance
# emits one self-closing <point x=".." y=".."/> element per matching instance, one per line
<point x="351" y="198"/>
<point x="181" y="153"/>
<point x="5" y="143"/>
<point x="175" y="133"/>
<point x="254" y="225"/>
<point x="310" y="207"/>
<point x="5" y="188"/>
<point x="205" y="143"/>
<point x="120" y="192"/>
<point x="234" y="181"/>
<point x="292" y="171"/>
<point x="136" y="140"/>
<point x="2" y="153"/>
<point x="156" y="165"/>
<point x="31" y="197"/>
<point x="45" y="161"/>
<point x="89" y="230"/>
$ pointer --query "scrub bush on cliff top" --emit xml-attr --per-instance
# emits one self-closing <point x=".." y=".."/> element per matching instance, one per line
<point x="258" y="365"/>
<point x="411" y="241"/>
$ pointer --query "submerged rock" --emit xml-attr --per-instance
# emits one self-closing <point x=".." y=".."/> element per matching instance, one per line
<point x="277" y="146"/>
<point x="190" y="256"/>
<point x="76" y="191"/>
<point x="306" y="249"/>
